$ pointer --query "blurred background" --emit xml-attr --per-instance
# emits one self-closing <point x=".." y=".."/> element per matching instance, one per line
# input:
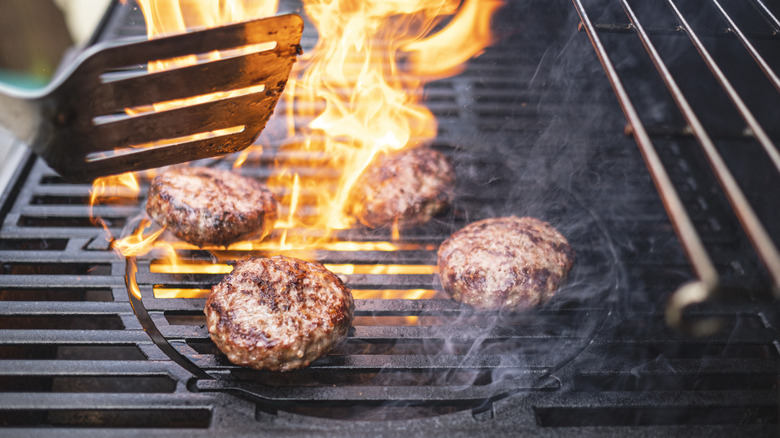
<point x="36" y="34"/>
<point x="35" y="37"/>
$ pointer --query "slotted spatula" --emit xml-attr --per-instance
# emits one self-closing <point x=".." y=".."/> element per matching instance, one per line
<point x="79" y="124"/>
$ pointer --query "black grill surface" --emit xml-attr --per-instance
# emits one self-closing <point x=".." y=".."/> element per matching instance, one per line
<point x="533" y="129"/>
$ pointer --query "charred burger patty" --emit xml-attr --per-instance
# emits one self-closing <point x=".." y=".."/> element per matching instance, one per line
<point x="504" y="263"/>
<point x="409" y="187"/>
<point x="209" y="206"/>
<point x="278" y="313"/>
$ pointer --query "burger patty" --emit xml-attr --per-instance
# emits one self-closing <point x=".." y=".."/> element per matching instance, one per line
<point x="206" y="206"/>
<point x="278" y="313"/>
<point x="407" y="188"/>
<point x="504" y="263"/>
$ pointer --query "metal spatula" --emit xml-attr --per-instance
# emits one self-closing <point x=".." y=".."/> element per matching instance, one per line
<point x="80" y="126"/>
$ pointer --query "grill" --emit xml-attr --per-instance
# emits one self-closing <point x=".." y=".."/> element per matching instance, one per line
<point x="533" y="129"/>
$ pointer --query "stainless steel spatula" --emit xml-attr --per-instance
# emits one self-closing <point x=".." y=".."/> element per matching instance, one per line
<point x="79" y="123"/>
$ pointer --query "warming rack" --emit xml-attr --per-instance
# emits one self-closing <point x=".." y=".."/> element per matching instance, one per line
<point x="724" y="14"/>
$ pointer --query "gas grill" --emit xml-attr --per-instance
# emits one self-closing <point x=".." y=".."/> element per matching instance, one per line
<point x="534" y="129"/>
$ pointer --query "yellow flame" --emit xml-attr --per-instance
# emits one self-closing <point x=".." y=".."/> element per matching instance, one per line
<point x="137" y="243"/>
<point x="393" y="294"/>
<point x="188" y="267"/>
<point x="358" y="95"/>
<point x="109" y="190"/>
<point x="360" y="100"/>
<point x="162" y="292"/>
<point x="167" y="17"/>
<point x="170" y="17"/>
<point x="349" y="269"/>
<point x="445" y="53"/>
<point x="132" y="284"/>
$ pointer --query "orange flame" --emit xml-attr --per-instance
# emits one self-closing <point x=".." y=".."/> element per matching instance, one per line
<point x="137" y="243"/>
<point x="444" y="54"/>
<point x="358" y="95"/>
<point x="361" y="100"/>
<point x="167" y="17"/>
<point x="111" y="190"/>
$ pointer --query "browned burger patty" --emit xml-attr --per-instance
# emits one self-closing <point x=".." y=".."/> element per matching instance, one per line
<point x="209" y="206"/>
<point x="278" y="313"/>
<point x="409" y="187"/>
<point x="504" y="263"/>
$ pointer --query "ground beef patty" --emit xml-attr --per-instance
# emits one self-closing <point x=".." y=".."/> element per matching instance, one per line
<point x="278" y="313"/>
<point x="504" y="263"/>
<point x="409" y="187"/>
<point x="206" y="206"/>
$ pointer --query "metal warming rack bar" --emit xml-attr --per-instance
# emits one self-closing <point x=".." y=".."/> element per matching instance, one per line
<point x="707" y="286"/>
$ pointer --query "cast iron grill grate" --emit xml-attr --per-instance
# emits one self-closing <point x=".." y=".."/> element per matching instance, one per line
<point x="524" y="139"/>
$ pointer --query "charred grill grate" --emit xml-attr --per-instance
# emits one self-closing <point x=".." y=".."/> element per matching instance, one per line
<point x="527" y="137"/>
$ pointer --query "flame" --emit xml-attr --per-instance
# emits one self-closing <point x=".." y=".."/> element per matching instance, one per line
<point x="111" y="190"/>
<point x="170" y="17"/>
<point x="130" y="279"/>
<point x="167" y="17"/>
<point x="349" y="269"/>
<point x="356" y="95"/>
<point x="362" y="99"/>
<point x="189" y="267"/>
<point x="163" y="292"/>
<point x="393" y="294"/>
<point x="137" y="243"/>
<point x="445" y="53"/>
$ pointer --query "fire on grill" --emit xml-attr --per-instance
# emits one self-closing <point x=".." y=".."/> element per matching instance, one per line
<point x="531" y="128"/>
<point x="356" y="99"/>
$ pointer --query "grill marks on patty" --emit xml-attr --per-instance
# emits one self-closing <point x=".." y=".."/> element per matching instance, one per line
<point x="206" y="206"/>
<point x="408" y="188"/>
<point x="504" y="263"/>
<point x="278" y="313"/>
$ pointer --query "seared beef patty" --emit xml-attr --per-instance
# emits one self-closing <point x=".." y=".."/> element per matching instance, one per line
<point x="504" y="263"/>
<point x="211" y="207"/>
<point x="278" y="313"/>
<point x="409" y="187"/>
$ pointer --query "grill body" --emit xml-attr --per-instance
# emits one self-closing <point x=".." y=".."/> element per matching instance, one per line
<point x="533" y="129"/>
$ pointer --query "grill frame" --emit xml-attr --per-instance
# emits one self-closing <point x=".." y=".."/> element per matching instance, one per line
<point x="581" y="388"/>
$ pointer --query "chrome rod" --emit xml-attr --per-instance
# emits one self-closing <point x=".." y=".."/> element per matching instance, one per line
<point x="770" y="74"/>
<point x="768" y="15"/>
<point x="761" y="240"/>
<point x="686" y="232"/>
<point x="744" y="111"/>
<point x="753" y="227"/>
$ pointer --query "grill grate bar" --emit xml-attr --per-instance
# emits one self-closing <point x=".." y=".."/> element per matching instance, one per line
<point x="16" y="401"/>
<point x="651" y="399"/>
<point x="55" y="281"/>
<point x="388" y="333"/>
<point x="64" y="337"/>
<point x="83" y="368"/>
<point x="689" y="367"/>
<point x="528" y="380"/>
<point x="64" y="308"/>
<point x="441" y="363"/>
